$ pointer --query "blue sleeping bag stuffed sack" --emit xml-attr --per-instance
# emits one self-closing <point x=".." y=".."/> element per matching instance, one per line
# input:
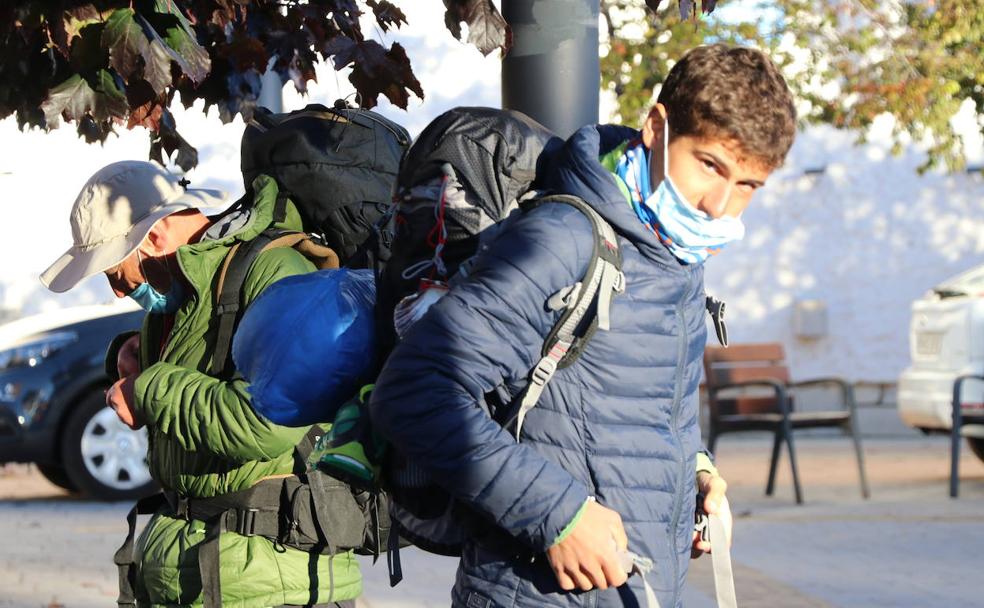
<point x="307" y="344"/>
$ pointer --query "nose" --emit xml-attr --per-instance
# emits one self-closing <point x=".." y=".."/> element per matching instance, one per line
<point x="715" y="202"/>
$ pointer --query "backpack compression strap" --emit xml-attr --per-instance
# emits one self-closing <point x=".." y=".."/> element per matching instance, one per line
<point x="567" y="339"/>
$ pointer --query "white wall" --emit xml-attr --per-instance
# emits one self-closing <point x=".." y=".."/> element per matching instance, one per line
<point x="866" y="237"/>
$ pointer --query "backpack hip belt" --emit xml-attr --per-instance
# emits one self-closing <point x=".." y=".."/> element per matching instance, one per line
<point x="314" y="513"/>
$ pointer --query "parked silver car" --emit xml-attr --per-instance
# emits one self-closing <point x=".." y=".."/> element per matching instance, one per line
<point x="946" y="340"/>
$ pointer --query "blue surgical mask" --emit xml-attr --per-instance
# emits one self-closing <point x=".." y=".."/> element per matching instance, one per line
<point x="689" y="233"/>
<point x="154" y="301"/>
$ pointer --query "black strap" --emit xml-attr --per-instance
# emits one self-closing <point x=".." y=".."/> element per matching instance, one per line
<point x="600" y="251"/>
<point x="716" y="309"/>
<point x="230" y="302"/>
<point x="280" y="207"/>
<point x="304" y="448"/>
<point x="209" y="564"/>
<point x="124" y="557"/>
<point x="393" y="555"/>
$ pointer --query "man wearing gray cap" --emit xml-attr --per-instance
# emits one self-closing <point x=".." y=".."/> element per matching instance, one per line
<point x="137" y="224"/>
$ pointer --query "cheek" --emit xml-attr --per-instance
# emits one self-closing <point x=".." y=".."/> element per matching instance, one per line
<point x="693" y="182"/>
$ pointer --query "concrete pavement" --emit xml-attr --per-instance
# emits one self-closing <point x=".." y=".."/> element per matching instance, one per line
<point x="909" y="546"/>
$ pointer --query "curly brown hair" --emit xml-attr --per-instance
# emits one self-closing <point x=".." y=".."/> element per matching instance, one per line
<point x="734" y="93"/>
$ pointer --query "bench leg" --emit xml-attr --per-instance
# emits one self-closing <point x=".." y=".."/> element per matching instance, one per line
<point x="788" y="436"/>
<point x="955" y="452"/>
<point x="774" y="462"/>
<point x="855" y="436"/>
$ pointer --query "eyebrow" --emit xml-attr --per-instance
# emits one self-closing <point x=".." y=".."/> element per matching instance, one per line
<point x="722" y="163"/>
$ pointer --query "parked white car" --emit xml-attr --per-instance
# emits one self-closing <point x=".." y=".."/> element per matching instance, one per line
<point x="946" y="340"/>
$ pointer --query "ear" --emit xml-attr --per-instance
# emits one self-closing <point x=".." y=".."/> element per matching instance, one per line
<point x="157" y="237"/>
<point x="652" y="129"/>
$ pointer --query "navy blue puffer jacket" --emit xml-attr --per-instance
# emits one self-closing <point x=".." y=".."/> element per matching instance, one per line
<point x="620" y="424"/>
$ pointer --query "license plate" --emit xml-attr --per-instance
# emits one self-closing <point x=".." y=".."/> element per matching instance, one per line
<point x="929" y="344"/>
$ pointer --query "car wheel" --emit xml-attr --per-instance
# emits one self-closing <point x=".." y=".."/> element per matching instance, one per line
<point x="58" y="476"/>
<point x="977" y="446"/>
<point x="103" y="457"/>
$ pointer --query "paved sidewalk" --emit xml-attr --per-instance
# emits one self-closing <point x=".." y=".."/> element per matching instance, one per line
<point x="910" y="546"/>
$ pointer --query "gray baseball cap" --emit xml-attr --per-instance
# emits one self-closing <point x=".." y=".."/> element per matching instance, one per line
<point x="113" y="213"/>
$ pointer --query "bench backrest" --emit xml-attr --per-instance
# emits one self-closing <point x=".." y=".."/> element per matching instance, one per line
<point x="743" y="363"/>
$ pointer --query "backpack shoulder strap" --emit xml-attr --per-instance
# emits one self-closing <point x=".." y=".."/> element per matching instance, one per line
<point x="230" y="300"/>
<point x="592" y="294"/>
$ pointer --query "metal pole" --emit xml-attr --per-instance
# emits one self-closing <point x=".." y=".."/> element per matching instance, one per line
<point x="552" y="72"/>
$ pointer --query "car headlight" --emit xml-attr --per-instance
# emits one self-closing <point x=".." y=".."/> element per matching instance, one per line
<point x="34" y="352"/>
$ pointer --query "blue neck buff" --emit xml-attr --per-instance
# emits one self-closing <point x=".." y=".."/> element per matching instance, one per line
<point x="690" y="234"/>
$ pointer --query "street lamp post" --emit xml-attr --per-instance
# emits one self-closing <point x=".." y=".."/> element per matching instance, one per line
<point x="552" y="72"/>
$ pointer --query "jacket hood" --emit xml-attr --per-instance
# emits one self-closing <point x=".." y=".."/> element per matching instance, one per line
<point x="577" y="170"/>
<point x="199" y="260"/>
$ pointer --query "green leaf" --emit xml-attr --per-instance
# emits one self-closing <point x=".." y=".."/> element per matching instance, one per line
<point x="93" y="106"/>
<point x="78" y="18"/>
<point x="126" y="42"/>
<point x="110" y="100"/>
<point x="190" y="56"/>
<point x="72" y="98"/>
<point x="157" y="58"/>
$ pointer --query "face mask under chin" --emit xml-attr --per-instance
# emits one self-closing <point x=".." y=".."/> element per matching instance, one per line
<point x="154" y="301"/>
<point x="690" y="234"/>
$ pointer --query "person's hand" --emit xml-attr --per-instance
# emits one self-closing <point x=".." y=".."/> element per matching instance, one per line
<point x="586" y="558"/>
<point x="120" y="398"/>
<point x="128" y="357"/>
<point x="713" y="487"/>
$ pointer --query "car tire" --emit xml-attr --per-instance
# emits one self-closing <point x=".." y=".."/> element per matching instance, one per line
<point x="58" y="476"/>
<point x="976" y="446"/>
<point x="104" y="458"/>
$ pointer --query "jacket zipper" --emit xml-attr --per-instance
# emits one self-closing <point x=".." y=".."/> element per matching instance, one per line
<point x="674" y="422"/>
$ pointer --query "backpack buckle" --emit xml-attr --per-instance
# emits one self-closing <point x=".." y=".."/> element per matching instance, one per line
<point x="246" y="522"/>
<point x="544" y="371"/>
<point x="619" y="286"/>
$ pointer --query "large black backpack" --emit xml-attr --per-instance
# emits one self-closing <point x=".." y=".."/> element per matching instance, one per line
<point x="483" y="160"/>
<point x="337" y="165"/>
<point x="465" y="175"/>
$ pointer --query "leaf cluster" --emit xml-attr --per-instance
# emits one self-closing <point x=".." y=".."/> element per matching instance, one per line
<point x="101" y="64"/>
<point x="847" y="61"/>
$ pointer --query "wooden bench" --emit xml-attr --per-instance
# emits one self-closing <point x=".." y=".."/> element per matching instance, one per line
<point x="731" y="372"/>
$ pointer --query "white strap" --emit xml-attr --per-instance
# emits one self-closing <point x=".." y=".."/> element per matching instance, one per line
<point x="612" y="282"/>
<point x="724" y="580"/>
<point x="539" y="377"/>
<point x="633" y="563"/>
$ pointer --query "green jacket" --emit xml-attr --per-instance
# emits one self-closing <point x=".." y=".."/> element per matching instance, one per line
<point x="205" y="440"/>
